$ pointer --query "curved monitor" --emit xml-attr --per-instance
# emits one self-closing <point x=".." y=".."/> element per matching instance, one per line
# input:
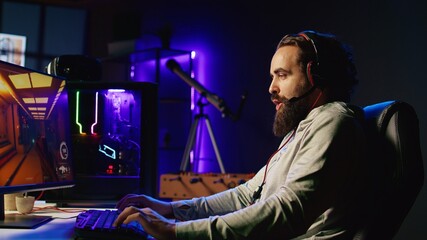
<point x="35" y="138"/>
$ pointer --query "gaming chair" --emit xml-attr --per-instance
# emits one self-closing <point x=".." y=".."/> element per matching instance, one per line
<point x="394" y="145"/>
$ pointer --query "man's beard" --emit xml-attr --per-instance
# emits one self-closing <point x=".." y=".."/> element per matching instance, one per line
<point x="289" y="115"/>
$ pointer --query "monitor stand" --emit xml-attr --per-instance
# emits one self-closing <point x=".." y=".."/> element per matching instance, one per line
<point x="15" y="220"/>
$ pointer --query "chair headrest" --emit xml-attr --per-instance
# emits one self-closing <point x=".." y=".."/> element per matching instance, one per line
<point x="382" y="112"/>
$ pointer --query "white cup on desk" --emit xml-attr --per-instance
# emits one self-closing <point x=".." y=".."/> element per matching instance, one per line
<point x="10" y="202"/>
<point x="24" y="204"/>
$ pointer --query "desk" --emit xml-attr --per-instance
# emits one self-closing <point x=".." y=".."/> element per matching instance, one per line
<point x="61" y="227"/>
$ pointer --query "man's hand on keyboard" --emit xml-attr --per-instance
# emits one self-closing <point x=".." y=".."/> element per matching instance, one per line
<point x="153" y="223"/>
<point x="144" y="201"/>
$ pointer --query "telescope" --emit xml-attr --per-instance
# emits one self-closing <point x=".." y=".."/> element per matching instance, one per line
<point x="214" y="99"/>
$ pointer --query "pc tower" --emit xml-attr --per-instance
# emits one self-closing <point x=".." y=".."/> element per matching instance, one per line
<point x="114" y="138"/>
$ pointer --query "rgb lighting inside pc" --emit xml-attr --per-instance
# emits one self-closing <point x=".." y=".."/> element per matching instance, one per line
<point x="110" y="120"/>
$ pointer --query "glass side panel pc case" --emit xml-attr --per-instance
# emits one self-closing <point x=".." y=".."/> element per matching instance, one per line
<point x="114" y="136"/>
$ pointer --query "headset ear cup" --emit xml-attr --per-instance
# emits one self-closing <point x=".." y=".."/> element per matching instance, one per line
<point x="314" y="75"/>
<point x="309" y="73"/>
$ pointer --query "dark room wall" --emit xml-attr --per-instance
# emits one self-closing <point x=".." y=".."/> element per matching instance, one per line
<point x="236" y="40"/>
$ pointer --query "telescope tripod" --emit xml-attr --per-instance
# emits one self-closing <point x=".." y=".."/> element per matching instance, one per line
<point x="195" y="127"/>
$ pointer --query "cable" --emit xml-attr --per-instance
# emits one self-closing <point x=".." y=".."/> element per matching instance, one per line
<point x="70" y="210"/>
<point x="257" y="192"/>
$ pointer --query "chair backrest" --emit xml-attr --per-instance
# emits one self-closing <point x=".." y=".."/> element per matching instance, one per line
<point x="394" y="145"/>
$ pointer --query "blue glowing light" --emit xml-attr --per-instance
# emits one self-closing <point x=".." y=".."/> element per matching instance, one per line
<point x="107" y="151"/>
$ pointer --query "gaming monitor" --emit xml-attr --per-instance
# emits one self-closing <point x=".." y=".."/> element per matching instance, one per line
<point x="35" y="142"/>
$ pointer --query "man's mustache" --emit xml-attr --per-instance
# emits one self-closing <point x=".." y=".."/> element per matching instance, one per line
<point x="276" y="97"/>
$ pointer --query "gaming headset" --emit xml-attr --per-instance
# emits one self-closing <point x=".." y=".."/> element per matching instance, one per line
<point x="313" y="67"/>
<point x="321" y="71"/>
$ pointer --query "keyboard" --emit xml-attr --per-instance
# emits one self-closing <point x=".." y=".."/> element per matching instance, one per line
<point x="97" y="224"/>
